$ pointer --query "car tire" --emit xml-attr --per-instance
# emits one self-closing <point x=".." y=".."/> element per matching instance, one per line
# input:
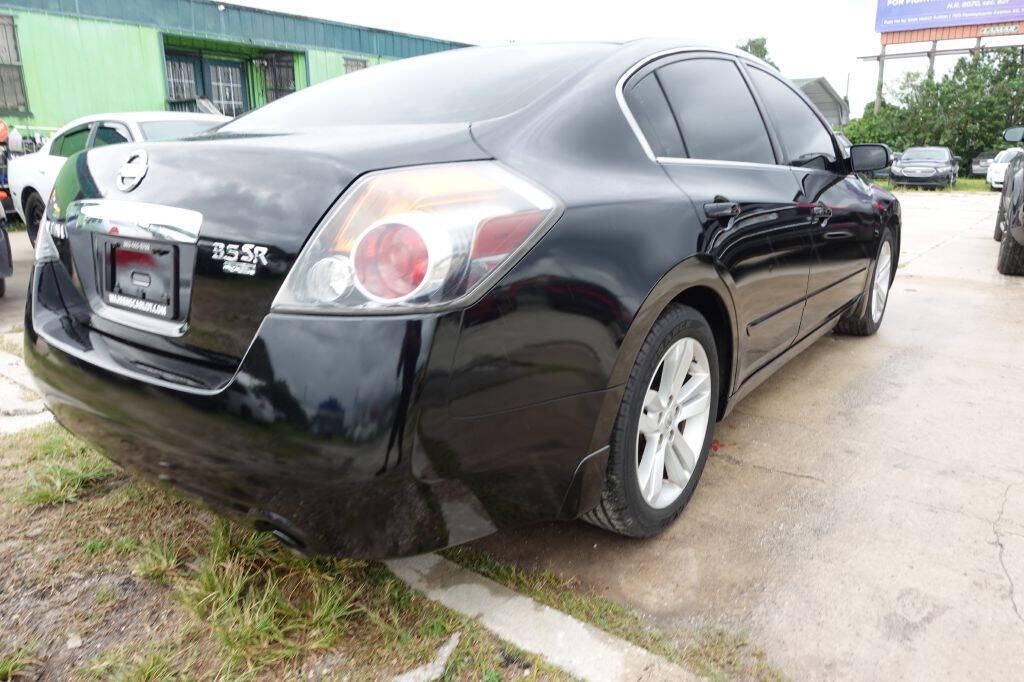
<point x="681" y="337"/>
<point x="34" y="211"/>
<point x="1011" y="256"/>
<point x="867" y="321"/>
<point x="3" y="287"/>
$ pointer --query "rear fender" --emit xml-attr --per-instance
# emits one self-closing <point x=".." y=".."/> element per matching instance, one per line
<point x="691" y="273"/>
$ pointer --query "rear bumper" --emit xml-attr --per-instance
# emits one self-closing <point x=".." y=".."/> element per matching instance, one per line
<point x="333" y="430"/>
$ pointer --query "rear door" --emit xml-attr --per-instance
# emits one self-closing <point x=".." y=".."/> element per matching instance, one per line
<point x="725" y="161"/>
<point x="838" y="205"/>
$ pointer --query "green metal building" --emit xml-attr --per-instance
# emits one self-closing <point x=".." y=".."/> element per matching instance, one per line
<point x="61" y="59"/>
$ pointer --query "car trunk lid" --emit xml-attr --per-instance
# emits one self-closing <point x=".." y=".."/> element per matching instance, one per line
<point x="188" y="261"/>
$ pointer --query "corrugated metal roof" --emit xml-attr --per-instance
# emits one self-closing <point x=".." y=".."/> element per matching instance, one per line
<point x="242" y="24"/>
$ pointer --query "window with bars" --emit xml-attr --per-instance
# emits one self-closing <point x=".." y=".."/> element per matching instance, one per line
<point x="280" y="76"/>
<point x="226" y="89"/>
<point x="181" y="77"/>
<point x="12" y="82"/>
<point x="352" y="64"/>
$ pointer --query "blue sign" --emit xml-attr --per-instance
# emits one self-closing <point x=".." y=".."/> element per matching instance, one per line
<point x="909" y="15"/>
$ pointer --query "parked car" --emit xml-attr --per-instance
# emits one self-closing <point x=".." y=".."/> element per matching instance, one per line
<point x="981" y="162"/>
<point x="997" y="169"/>
<point x="543" y="318"/>
<point x="926" y="167"/>
<point x="31" y="176"/>
<point x="6" y="259"/>
<point x="1010" y="216"/>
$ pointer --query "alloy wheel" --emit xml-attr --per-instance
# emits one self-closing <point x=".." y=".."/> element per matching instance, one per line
<point x="673" y="423"/>
<point x="883" y="275"/>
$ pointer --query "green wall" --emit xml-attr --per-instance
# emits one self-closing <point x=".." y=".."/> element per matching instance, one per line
<point x="324" y="64"/>
<point x="76" y="67"/>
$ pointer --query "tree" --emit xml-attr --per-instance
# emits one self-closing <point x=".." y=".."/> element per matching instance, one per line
<point x="759" y="48"/>
<point x="967" y="110"/>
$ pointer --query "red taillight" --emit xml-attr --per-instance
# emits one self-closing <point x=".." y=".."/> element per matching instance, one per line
<point x="417" y="238"/>
<point x="497" y="237"/>
<point x="391" y="261"/>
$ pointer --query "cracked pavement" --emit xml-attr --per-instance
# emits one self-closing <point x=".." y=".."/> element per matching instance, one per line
<point x="863" y="517"/>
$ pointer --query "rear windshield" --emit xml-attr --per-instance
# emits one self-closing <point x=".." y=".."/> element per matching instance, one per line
<point x="155" y="131"/>
<point x="926" y="154"/>
<point x="446" y="87"/>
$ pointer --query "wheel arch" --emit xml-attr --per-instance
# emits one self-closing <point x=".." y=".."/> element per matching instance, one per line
<point x="694" y="282"/>
<point x="26" y="192"/>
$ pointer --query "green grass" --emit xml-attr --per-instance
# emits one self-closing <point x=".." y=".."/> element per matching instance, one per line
<point x="716" y="654"/>
<point x="13" y="664"/>
<point x="16" y="226"/>
<point x="64" y="468"/>
<point x="158" y="557"/>
<point x="63" y="482"/>
<point x="234" y="604"/>
<point x="962" y="185"/>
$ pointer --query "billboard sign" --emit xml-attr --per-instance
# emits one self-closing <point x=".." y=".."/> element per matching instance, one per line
<point x="910" y="15"/>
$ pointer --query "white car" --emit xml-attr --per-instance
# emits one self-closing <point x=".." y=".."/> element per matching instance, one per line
<point x="997" y="169"/>
<point x="31" y="177"/>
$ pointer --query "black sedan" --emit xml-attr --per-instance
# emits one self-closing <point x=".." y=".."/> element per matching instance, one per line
<point x="1010" y="216"/>
<point x="403" y="308"/>
<point x="931" y="167"/>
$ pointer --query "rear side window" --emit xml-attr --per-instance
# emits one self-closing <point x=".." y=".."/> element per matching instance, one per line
<point x="807" y="141"/>
<point x="653" y="115"/>
<point x="715" y="111"/>
<point x="108" y="135"/>
<point x="70" y="143"/>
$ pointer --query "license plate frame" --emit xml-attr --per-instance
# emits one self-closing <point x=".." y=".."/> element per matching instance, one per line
<point x="141" y="276"/>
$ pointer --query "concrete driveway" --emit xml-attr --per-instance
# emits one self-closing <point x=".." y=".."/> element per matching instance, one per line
<point x="12" y="305"/>
<point x="864" y="515"/>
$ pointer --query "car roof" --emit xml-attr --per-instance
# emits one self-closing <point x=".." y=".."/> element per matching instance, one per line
<point x="147" y="116"/>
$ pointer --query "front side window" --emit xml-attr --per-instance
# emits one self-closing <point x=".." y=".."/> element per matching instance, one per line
<point x="807" y="141"/>
<point x="70" y="143"/>
<point x="715" y="111"/>
<point x="12" y="83"/>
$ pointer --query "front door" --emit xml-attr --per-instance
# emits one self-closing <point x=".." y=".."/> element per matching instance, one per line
<point x="839" y="206"/>
<point x="754" y="228"/>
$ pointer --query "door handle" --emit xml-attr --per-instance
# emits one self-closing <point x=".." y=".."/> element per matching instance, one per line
<point x="722" y="209"/>
<point x="821" y="213"/>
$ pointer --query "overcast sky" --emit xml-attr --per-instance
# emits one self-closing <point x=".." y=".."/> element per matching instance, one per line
<point x="806" y="38"/>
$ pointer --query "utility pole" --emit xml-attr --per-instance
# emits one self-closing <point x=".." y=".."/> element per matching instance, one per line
<point x="881" y="80"/>
<point x="931" y="60"/>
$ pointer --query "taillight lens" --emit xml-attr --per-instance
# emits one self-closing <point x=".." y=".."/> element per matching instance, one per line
<point x="418" y="238"/>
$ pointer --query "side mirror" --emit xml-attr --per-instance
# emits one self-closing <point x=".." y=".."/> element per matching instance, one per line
<point x="1013" y="134"/>
<point x="865" y="158"/>
<point x="957" y="160"/>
